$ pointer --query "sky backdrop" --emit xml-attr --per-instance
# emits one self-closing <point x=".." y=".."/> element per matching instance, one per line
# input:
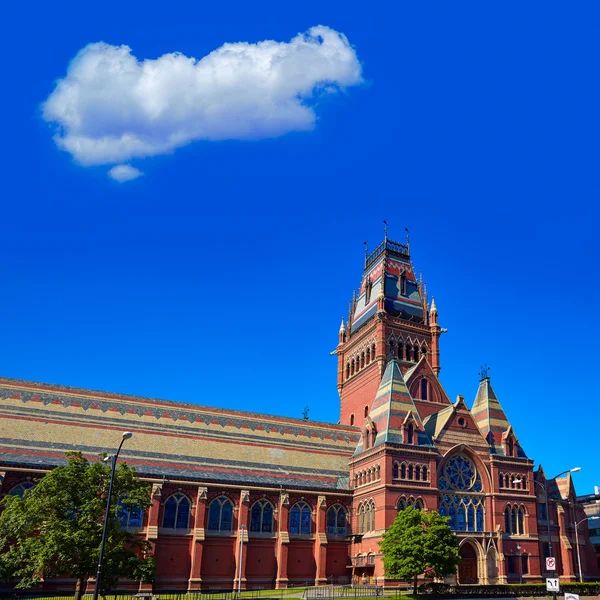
<point x="216" y="262"/>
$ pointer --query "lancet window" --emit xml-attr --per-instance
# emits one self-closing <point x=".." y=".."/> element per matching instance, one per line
<point x="336" y="520"/>
<point x="261" y="517"/>
<point x="220" y="514"/>
<point x="177" y="512"/>
<point x="19" y="490"/>
<point x="462" y="496"/>
<point x="300" y="519"/>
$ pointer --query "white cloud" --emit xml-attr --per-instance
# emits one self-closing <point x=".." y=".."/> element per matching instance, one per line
<point x="112" y="107"/>
<point x="123" y="173"/>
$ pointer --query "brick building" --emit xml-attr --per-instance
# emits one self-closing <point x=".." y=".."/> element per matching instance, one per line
<point x="309" y="501"/>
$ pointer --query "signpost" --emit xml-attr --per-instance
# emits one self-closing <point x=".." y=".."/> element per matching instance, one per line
<point x="553" y="585"/>
<point x="550" y="563"/>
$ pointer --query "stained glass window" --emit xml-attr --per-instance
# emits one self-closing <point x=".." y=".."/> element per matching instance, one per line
<point x="300" y="518"/>
<point x="132" y="517"/>
<point x="177" y="512"/>
<point x="336" y="520"/>
<point x="261" y="517"/>
<point x="459" y="475"/>
<point x="220" y="514"/>
<point x="19" y="490"/>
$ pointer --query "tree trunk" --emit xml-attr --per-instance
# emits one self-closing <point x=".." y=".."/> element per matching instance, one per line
<point x="80" y="588"/>
<point x="414" y="587"/>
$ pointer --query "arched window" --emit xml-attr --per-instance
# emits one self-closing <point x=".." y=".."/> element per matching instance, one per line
<point x="300" y="519"/>
<point x="362" y="524"/>
<point x="521" y="521"/>
<point x="418" y="504"/>
<point x="513" y="520"/>
<point x="403" y="471"/>
<point x="261" y="517"/>
<point x="347" y="370"/>
<point x="395" y="471"/>
<point x="507" y="512"/>
<point x="460" y="489"/>
<point x="418" y="473"/>
<point x="19" y="490"/>
<point x="500" y="479"/>
<point x="177" y="512"/>
<point x="510" y="446"/>
<point x="423" y="389"/>
<point x="424" y="473"/>
<point x="130" y="517"/>
<point x="220" y="514"/>
<point x="352" y="419"/>
<point x="336" y="520"/>
<point x="352" y="368"/>
<point x="402" y="504"/>
<point x="372" y="516"/>
<point x="410" y="471"/>
<point x="368" y="357"/>
<point x="366" y="411"/>
<point x="409" y="435"/>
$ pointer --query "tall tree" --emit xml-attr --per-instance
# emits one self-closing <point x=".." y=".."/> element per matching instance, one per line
<point x="55" y="529"/>
<point x="418" y="541"/>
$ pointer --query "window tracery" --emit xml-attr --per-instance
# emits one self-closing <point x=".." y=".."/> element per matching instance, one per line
<point x="336" y="520"/>
<point x="462" y="496"/>
<point x="220" y="514"/>
<point x="20" y="489"/>
<point x="300" y="519"/>
<point x="261" y="517"/>
<point x="177" y="512"/>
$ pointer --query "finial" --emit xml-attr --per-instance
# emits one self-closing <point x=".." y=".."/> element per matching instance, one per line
<point x="305" y="413"/>
<point x="433" y="306"/>
<point x="342" y="327"/>
<point x="483" y="372"/>
<point x="385" y="230"/>
<point x="407" y="238"/>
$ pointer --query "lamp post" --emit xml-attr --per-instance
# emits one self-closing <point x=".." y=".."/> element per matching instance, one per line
<point x="113" y="463"/>
<point x="520" y="563"/>
<point x="544" y="486"/>
<point x="577" y="542"/>
<point x="242" y="529"/>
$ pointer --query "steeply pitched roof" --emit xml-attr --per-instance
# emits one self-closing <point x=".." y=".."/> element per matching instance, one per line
<point x="40" y="422"/>
<point x="491" y="419"/>
<point x="384" y="269"/>
<point x="435" y="422"/>
<point x="392" y="407"/>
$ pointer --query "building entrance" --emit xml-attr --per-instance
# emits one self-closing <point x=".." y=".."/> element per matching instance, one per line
<point x="467" y="569"/>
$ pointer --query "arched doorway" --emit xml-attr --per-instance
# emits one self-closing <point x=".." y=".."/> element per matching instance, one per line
<point x="467" y="569"/>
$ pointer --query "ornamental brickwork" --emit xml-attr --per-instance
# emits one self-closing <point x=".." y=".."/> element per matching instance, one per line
<point x="260" y="501"/>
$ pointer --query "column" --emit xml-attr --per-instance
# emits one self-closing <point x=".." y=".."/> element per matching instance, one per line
<point x="501" y="557"/>
<point x="242" y="538"/>
<point x="320" y="548"/>
<point x="195" y="582"/>
<point x="153" y="524"/>
<point x="283" y="541"/>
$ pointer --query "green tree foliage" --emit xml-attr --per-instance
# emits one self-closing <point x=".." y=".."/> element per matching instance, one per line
<point x="56" y="528"/>
<point x="419" y="542"/>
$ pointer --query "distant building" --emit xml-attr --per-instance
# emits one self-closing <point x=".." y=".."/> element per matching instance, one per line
<point x="310" y="500"/>
<point x="591" y="506"/>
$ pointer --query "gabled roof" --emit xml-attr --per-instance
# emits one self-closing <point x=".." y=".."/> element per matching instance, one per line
<point x="423" y="368"/>
<point x="393" y="407"/>
<point x="491" y="419"/>
<point x="40" y="422"/>
<point x="435" y="423"/>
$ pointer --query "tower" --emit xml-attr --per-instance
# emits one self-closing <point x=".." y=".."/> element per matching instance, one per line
<point x="389" y="318"/>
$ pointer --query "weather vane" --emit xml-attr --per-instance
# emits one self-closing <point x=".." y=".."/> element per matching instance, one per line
<point x="305" y="413"/>
<point x="483" y="371"/>
<point x="385" y="229"/>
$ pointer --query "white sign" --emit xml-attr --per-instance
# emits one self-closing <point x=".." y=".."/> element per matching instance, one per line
<point x="550" y="563"/>
<point x="571" y="596"/>
<point x="552" y="585"/>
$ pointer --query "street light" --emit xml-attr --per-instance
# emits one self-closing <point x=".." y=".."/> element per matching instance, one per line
<point x="577" y="542"/>
<point x="520" y="563"/>
<point x="544" y="486"/>
<point x="113" y="463"/>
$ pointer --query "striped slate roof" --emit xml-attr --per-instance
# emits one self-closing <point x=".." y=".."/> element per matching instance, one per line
<point x="40" y="422"/>
<point x="392" y="406"/>
<point x="490" y="417"/>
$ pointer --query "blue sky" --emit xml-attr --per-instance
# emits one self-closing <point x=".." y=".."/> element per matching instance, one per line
<point x="221" y="274"/>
